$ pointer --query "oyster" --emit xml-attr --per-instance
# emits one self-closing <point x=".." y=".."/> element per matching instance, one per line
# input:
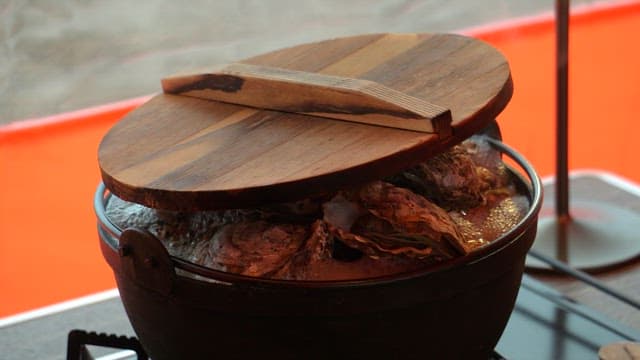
<point x="179" y="232"/>
<point x="317" y="250"/>
<point x="381" y="218"/>
<point x="250" y="248"/>
<point x="457" y="178"/>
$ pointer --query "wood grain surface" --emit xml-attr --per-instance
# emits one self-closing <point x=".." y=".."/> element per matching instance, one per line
<point x="301" y="92"/>
<point x="182" y="153"/>
<point x="624" y="350"/>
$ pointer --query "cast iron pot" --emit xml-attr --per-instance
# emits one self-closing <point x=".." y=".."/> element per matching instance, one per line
<point x="455" y="310"/>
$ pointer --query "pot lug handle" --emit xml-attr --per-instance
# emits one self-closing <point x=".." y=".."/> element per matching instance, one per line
<point x="146" y="261"/>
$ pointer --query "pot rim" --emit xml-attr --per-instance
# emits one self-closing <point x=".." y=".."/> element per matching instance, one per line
<point x="110" y="234"/>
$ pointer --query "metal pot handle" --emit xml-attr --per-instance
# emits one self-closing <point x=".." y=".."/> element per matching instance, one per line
<point x="146" y="261"/>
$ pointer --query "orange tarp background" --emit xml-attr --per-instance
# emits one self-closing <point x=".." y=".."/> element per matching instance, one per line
<point x="48" y="168"/>
<point x="604" y="88"/>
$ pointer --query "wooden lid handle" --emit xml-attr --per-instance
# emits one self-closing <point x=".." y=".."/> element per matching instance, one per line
<point x="328" y="96"/>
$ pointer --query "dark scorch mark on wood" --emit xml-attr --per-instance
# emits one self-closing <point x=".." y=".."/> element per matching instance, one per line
<point x="309" y="107"/>
<point x="222" y="82"/>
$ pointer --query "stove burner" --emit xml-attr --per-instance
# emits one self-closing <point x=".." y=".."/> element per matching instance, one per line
<point x="78" y="339"/>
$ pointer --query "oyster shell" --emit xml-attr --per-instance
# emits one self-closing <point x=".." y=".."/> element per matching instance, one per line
<point x="457" y="178"/>
<point x="179" y="232"/>
<point x="317" y="250"/>
<point x="255" y="248"/>
<point x="381" y="218"/>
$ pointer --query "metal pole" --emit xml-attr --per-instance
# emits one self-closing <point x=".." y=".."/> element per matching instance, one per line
<point x="562" y="110"/>
<point x="578" y="240"/>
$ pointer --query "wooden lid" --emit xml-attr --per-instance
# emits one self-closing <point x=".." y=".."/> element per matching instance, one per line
<point x="182" y="153"/>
